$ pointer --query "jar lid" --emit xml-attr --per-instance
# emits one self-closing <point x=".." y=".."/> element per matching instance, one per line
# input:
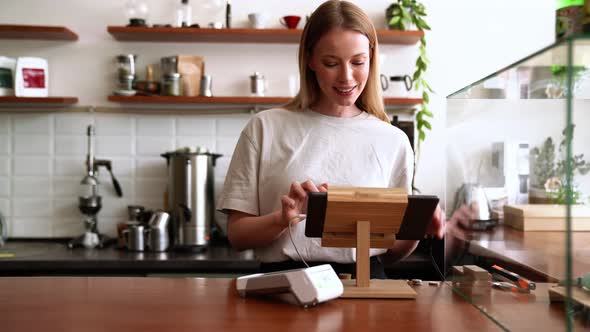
<point x="126" y="57"/>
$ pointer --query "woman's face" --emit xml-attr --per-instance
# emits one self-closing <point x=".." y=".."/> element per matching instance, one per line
<point x="340" y="60"/>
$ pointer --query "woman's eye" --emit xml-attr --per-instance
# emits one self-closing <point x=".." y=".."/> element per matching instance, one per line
<point x="358" y="63"/>
<point x="330" y="64"/>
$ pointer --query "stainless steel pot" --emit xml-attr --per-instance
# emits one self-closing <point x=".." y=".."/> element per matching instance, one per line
<point x="191" y="196"/>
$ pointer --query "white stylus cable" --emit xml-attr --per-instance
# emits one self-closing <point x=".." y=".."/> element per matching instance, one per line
<point x="301" y="216"/>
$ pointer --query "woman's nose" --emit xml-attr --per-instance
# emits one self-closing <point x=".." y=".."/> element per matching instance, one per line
<point x="346" y="72"/>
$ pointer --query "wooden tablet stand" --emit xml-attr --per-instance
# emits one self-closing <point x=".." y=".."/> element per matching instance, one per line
<point x="365" y="218"/>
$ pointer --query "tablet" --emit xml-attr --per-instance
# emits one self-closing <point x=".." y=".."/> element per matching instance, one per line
<point x="414" y="225"/>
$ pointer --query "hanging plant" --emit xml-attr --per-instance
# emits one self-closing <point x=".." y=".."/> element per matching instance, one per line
<point x="404" y="15"/>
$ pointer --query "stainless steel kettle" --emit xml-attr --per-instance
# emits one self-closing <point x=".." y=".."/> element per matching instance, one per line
<point x="191" y="196"/>
<point x="473" y="195"/>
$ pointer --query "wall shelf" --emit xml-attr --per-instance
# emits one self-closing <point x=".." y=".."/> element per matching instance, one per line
<point x="208" y="35"/>
<point x="36" y="32"/>
<point x="41" y="101"/>
<point x="236" y="100"/>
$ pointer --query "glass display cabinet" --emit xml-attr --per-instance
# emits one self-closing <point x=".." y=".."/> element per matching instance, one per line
<point x="518" y="190"/>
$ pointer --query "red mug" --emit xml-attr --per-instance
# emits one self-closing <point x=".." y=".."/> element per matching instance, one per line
<point x="290" y="21"/>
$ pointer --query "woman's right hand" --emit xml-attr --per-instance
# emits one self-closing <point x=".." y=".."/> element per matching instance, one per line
<point x="295" y="203"/>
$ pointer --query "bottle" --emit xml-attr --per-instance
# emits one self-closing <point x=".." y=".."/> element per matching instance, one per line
<point x="228" y="14"/>
<point x="569" y="16"/>
<point x="183" y="14"/>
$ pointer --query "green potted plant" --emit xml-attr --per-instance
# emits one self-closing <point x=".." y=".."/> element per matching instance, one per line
<point x="550" y="175"/>
<point x="404" y="15"/>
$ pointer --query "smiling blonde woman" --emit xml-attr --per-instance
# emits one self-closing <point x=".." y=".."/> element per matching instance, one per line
<point x="334" y="132"/>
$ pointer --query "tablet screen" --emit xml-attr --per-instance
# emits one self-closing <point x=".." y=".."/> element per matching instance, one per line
<point x="416" y="220"/>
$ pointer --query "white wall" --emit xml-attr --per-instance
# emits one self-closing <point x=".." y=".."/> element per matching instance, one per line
<point x="470" y="39"/>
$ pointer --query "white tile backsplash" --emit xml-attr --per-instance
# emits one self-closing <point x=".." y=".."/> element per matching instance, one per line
<point x="4" y="124"/>
<point x="4" y="186"/>
<point x="111" y="125"/>
<point x="114" y="145"/>
<point x="69" y="166"/>
<point x="153" y="146"/>
<point x="114" y="208"/>
<point x="150" y="188"/>
<point x="72" y="124"/>
<point x="151" y="168"/>
<point x="5" y="141"/>
<point x="5" y="207"/>
<point x="108" y="226"/>
<point x="37" y="124"/>
<point x="231" y="125"/>
<point x="30" y="187"/>
<point x="32" y="145"/>
<point x="69" y="228"/>
<point x="31" y="166"/>
<point x="108" y="190"/>
<point x="4" y="166"/>
<point x="67" y="208"/>
<point x="122" y="168"/>
<point x="43" y="159"/>
<point x="195" y="126"/>
<point x="70" y="145"/>
<point x="66" y="187"/>
<point x="26" y="207"/>
<point x="155" y="126"/>
<point x="221" y="167"/>
<point x="226" y="145"/>
<point x="31" y="228"/>
<point x="202" y="141"/>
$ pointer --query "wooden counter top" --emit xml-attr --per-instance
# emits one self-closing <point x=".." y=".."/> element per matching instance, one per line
<point x="198" y="304"/>
<point x="542" y="253"/>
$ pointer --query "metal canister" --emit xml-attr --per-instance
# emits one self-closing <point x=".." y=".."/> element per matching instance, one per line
<point x="135" y="237"/>
<point x="257" y="84"/>
<point x="171" y="84"/>
<point x="158" y="239"/>
<point x="191" y="196"/>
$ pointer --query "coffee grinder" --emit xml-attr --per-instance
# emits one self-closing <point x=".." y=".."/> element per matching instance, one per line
<point x="89" y="200"/>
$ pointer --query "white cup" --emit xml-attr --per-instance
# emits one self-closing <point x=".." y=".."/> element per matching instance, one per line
<point x="257" y="20"/>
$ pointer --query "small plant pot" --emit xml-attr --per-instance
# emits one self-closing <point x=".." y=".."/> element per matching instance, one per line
<point x="539" y="196"/>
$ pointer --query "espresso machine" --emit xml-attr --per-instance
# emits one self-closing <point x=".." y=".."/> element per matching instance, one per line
<point x="89" y="200"/>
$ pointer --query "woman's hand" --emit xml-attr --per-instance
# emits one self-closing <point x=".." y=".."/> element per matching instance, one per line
<point x="461" y="219"/>
<point x="437" y="225"/>
<point x="295" y="203"/>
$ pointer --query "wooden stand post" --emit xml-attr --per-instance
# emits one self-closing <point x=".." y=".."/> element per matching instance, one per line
<point x="363" y="218"/>
<point x="363" y="268"/>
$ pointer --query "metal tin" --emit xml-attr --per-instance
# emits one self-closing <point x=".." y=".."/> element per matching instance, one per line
<point x="171" y="84"/>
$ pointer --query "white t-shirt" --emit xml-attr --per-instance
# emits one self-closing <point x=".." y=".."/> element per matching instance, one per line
<point x="279" y="146"/>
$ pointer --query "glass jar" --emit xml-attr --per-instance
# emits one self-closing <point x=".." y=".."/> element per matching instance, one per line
<point x="168" y="65"/>
<point x="171" y="84"/>
<point x="126" y="65"/>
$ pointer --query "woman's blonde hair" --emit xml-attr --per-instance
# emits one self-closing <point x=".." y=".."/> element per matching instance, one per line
<point x="330" y="15"/>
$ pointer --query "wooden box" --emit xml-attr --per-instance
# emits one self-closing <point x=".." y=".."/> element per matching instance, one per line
<point x="546" y="217"/>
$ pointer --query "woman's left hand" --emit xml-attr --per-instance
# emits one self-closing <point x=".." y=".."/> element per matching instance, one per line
<point x="437" y="225"/>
